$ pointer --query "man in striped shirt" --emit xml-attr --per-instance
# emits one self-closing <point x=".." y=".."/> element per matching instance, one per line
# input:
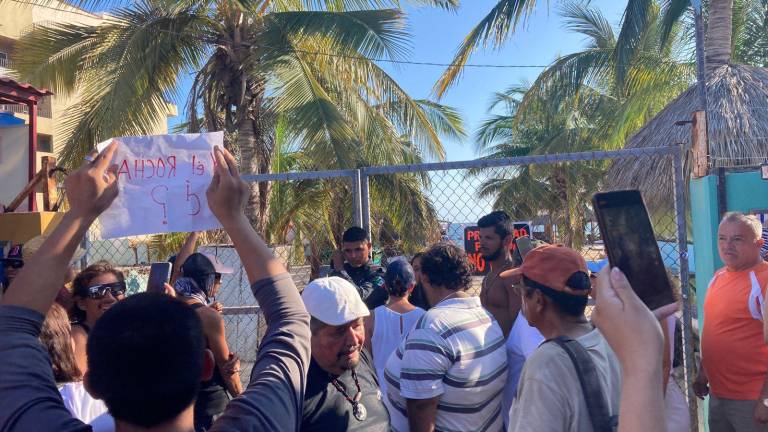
<point x="450" y="372"/>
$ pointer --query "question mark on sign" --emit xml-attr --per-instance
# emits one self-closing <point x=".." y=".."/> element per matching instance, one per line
<point x="161" y="200"/>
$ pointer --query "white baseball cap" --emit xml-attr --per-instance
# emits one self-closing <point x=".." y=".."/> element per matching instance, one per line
<point x="334" y="301"/>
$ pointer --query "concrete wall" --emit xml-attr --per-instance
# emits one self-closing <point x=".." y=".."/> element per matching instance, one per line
<point x="14" y="151"/>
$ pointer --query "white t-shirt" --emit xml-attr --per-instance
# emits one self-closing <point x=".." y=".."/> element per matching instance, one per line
<point x="389" y="330"/>
<point x="79" y="403"/>
<point x="522" y="341"/>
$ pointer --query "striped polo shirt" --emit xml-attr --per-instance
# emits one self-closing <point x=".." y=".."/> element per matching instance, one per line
<point x="455" y="351"/>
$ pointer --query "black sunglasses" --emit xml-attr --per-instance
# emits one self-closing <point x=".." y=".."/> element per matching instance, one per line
<point x="100" y="291"/>
<point x="17" y="264"/>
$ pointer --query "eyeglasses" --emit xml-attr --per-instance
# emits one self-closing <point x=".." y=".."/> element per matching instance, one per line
<point x="16" y="264"/>
<point x="117" y="289"/>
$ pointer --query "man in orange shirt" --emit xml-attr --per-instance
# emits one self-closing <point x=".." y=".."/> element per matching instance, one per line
<point x="734" y="356"/>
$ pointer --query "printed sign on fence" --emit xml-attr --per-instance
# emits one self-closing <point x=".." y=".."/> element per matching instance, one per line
<point x="472" y="245"/>
<point x="162" y="181"/>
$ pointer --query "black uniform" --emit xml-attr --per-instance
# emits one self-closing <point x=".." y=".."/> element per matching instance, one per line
<point x="369" y="281"/>
<point x="326" y="409"/>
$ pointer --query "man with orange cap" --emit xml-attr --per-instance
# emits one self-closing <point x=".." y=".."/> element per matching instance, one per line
<point x="554" y="286"/>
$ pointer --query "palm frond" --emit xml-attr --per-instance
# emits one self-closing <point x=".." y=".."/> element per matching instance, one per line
<point x="126" y="75"/>
<point x="370" y="33"/>
<point x="672" y="13"/>
<point x="494" y="29"/>
<point x="587" y="20"/>
<point x="637" y="15"/>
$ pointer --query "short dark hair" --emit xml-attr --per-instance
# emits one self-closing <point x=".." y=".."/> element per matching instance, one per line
<point x="354" y="234"/>
<point x="145" y="358"/>
<point x="399" y="277"/>
<point x="55" y="335"/>
<point x="445" y="265"/>
<point x="83" y="281"/>
<point x="566" y="304"/>
<point x="500" y="222"/>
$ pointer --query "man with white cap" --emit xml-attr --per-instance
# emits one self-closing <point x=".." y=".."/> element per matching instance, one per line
<point x="342" y="390"/>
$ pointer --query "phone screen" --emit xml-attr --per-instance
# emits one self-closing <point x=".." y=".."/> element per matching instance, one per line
<point x="631" y="245"/>
<point x="159" y="275"/>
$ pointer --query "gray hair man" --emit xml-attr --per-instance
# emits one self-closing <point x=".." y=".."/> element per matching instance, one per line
<point x="342" y="390"/>
<point x="734" y="358"/>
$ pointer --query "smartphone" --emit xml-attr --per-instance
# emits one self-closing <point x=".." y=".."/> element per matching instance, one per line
<point x="524" y="245"/>
<point x="159" y="275"/>
<point x="631" y="245"/>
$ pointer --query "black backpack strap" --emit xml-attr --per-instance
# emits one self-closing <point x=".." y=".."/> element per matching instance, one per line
<point x="597" y="405"/>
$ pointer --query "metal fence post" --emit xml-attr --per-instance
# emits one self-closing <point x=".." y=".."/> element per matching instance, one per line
<point x="682" y="241"/>
<point x="86" y="245"/>
<point x="365" y="203"/>
<point x="357" y="211"/>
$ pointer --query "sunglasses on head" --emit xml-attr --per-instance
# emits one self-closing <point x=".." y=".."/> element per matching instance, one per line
<point x="17" y="264"/>
<point x="99" y="291"/>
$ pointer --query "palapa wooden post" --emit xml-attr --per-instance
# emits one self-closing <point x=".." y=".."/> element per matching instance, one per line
<point x="700" y="147"/>
<point x="50" y="192"/>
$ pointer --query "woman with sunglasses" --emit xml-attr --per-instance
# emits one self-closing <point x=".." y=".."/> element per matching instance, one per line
<point x="95" y="289"/>
<point x="200" y="281"/>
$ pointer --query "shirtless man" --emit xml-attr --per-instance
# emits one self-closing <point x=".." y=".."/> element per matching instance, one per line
<point x="498" y="298"/>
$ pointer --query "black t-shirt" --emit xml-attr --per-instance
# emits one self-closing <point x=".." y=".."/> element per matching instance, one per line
<point x="326" y="409"/>
<point x="369" y="281"/>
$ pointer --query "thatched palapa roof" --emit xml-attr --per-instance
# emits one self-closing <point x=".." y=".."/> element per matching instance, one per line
<point x="737" y="129"/>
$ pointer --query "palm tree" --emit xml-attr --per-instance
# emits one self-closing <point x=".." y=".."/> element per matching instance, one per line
<point x="318" y="211"/>
<point x="502" y="20"/>
<point x="653" y="76"/>
<point x="252" y="62"/>
<point x="734" y="27"/>
<point x="559" y="191"/>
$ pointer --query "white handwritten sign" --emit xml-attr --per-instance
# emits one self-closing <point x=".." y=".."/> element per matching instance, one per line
<point x="162" y="181"/>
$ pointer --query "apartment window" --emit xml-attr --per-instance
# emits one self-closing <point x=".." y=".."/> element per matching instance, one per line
<point x="44" y="143"/>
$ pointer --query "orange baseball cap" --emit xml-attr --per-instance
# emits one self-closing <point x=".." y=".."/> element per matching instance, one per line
<point x="551" y="266"/>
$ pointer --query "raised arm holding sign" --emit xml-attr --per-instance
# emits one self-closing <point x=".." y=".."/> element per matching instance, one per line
<point x="162" y="181"/>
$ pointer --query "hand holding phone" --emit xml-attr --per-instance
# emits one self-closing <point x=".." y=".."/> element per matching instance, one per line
<point x="159" y="275"/>
<point x="631" y="245"/>
<point x="524" y="245"/>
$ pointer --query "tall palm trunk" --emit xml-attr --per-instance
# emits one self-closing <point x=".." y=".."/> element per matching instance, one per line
<point x="255" y="141"/>
<point x="718" y="41"/>
<point x="560" y="181"/>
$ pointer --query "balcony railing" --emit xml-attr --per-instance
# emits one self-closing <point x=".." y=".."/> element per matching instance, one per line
<point x="42" y="111"/>
<point x="6" y="63"/>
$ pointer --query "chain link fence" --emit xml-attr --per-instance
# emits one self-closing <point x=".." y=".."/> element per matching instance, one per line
<point x="407" y="208"/>
<point x="549" y="198"/>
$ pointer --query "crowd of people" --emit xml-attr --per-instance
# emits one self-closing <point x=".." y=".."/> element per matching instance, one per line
<point x="402" y="348"/>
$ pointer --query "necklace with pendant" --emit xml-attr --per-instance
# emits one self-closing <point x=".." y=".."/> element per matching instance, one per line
<point x="358" y="409"/>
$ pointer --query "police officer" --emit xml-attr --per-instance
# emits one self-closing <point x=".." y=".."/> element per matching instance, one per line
<point x="353" y="264"/>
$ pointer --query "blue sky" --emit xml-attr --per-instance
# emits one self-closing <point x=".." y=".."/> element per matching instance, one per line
<point x="437" y="34"/>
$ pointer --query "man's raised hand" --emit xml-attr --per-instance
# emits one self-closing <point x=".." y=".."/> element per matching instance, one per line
<point x="227" y="193"/>
<point x="92" y="188"/>
<point x="632" y="330"/>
